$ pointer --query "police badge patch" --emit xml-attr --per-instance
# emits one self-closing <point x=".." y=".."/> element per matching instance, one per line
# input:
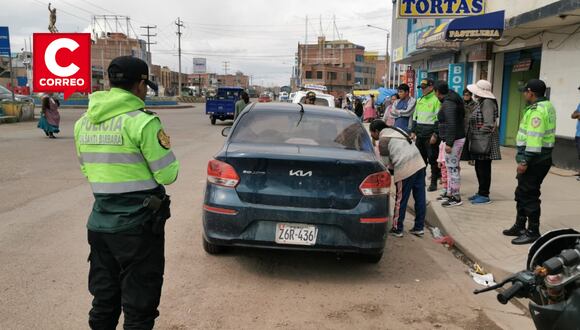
<point x="536" y="122"/>
<point x="164" y="139"/>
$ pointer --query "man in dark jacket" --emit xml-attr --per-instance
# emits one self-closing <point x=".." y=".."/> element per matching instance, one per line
<point x="452" y="132"/>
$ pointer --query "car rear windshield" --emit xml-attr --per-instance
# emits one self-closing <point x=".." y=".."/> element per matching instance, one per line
<point x="296" y="129"/>
<point x="318" y="101"/>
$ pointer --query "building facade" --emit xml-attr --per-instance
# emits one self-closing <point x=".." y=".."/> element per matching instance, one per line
<point x="533" y="39"/>
<point x="109" y="46"/>
<point x="340" y="65"/>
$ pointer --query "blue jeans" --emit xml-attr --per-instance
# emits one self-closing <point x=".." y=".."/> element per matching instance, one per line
<point x="415" y="184"/>
<point x="402" y="123"/>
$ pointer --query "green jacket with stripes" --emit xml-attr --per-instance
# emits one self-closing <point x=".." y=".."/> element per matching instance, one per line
<point x="537" y="134"/>
<point x="126" y="157"/>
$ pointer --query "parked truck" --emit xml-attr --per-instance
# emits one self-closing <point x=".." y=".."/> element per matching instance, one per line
<point x="223" y="105"/>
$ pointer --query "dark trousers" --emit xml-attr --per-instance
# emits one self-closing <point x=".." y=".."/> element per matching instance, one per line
<point x="126" y="271"/>
<point x="414" y="184"/>
<point x="528" y="190"/>
<point x="483" y="171"/>
<point x="430" y="153"/>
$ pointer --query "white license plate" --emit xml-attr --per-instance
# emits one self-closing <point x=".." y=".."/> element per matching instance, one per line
<point x="296" y="234"/>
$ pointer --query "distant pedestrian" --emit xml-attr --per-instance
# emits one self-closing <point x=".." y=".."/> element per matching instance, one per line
<point x="348" y="105"/>
<point x="425" y="129"/>
<point x="483" y="139"/>
<point x="469" y="104"/>
<point x="370" y="112"/>
<point x="576" y="115"/>
<point x="404" y="108"/>
<point x="388" y="116"/>
<point x="397" y="149"/>
<point x="49" y="116"/>
<point x="452" y="131"/>
<point x="358" y="109"/>
<point x="241" y="104"/>
<point x="535" y="140"/>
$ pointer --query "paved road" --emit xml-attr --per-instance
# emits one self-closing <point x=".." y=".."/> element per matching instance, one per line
<point x="44" y="203"/>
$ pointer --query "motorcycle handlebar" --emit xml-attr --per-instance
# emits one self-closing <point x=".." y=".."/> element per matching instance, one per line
<point x="508" y="294"/>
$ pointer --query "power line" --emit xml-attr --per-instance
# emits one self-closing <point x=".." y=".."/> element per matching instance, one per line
<point x="179" y="24"/>
<point x="226" y="64"/>
<point x="149" y="43"/>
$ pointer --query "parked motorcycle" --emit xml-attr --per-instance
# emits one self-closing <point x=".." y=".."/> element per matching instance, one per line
<point x="551" y="281"/>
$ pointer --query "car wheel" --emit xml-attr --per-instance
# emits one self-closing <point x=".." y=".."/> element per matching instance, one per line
<point x="372" y="258"/>
<point x="212" y="119"/>
<point x="212" y="248"/>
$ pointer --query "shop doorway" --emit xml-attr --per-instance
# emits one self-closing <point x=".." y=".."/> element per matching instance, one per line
<point x="519" y="67"/>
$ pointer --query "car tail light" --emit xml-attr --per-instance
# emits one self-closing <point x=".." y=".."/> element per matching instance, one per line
<point x="374" y="220"/>
<point x="222" y="174"/>
<point x="376" y="184"/>
<point x="219" y="210"/>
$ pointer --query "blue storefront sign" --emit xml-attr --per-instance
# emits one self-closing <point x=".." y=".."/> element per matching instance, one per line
<point x="457" y="77"/>
<point x="413" y="37"/>
<point x="4" y="41"/>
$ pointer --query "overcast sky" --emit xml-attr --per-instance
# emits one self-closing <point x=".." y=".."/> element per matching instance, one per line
<point x="257" y="37"/>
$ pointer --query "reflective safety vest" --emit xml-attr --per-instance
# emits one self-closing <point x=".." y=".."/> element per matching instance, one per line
<point x="125" y="153"/>
<point x="426" y="109"/>
<point x="537" y="133"/>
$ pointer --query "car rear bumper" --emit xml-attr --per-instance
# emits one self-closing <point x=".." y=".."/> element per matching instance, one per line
<point x="229" y="221"/>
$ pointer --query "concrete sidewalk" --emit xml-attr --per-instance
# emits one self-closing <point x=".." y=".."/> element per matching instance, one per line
<point x="477" y="229"/>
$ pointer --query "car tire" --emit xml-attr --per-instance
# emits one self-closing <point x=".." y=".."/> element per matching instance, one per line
<point x="212" y="248"/>
<point x="212" y="119"/>
<point x="372" y="258"/>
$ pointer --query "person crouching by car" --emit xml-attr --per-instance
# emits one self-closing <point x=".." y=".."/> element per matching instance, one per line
<point x="397" y="149"/>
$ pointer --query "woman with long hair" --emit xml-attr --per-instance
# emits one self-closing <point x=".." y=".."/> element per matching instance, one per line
<point x="49" y="116"/>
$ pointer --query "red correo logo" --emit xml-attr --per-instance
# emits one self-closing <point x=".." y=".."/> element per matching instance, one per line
<point x="62" y="63"/>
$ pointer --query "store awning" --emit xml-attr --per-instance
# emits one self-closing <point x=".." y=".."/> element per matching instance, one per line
<point x="450" y="34"/>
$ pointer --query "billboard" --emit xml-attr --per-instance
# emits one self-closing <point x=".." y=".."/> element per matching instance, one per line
<point x="62" y="63"/>
<point x="199" y="65"/>
<point x="4" y="41"/>
<point x="440" y="8"/>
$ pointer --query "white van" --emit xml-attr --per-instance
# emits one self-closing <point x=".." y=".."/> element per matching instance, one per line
<point x="325" y="100"/>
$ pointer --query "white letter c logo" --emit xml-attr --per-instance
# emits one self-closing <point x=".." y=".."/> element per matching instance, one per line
<point x="50" y="57"/>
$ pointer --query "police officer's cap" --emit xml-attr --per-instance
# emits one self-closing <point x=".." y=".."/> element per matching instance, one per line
<point x="535" y="85"/>
<point x="311" y="95"/>
<point x="127" y="69"/>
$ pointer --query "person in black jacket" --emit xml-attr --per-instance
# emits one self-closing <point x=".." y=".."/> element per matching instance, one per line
<point x="452" y="131"/>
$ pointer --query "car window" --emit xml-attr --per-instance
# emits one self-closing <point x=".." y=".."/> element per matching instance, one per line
<point x="318" y="101"/>
<point x="310" y="130"/>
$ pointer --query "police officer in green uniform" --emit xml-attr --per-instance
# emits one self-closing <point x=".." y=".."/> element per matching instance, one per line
<point x="127" y="158"/>
<point x="535" y="142"/>
<point x="425" y="129"/>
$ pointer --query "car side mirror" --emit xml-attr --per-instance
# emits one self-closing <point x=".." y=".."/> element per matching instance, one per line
<point x="226" y="131"/>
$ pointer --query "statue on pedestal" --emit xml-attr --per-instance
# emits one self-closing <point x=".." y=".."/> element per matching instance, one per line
<point x="52" y="20"/>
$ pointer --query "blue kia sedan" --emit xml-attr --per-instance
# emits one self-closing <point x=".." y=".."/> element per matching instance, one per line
<point x="293" y="176"/>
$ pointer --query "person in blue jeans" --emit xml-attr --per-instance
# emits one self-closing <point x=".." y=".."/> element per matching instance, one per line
<point x="397" y="150"/>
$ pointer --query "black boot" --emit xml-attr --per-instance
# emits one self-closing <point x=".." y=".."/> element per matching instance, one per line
<point x="531" y="235"/>
<point x="518" y="228"/>
<point x="433" y="185"/>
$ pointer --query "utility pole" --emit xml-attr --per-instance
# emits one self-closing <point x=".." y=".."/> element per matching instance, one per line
<point x="226" y="64"/>
<point x="179" y="24"/>
<point x="149" y="43"/>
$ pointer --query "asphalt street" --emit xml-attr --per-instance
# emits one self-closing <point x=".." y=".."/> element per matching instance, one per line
<point x="45" y="201"/>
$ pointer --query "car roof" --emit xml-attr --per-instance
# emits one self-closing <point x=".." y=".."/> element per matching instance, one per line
<point x="295" y="107"/>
